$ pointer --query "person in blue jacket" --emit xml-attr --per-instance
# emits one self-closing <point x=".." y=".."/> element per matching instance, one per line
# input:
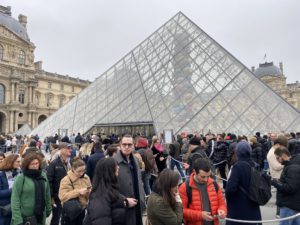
<point x="9" y="169"/>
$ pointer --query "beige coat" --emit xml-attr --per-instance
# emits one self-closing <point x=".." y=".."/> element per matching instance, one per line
<point x="66" y="191"/>
<point x="275" y="167"/>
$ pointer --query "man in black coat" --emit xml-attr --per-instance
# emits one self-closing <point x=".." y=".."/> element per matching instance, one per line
<point x="130" y="181"/>
<point x="56" y="171"/>
<point x="288" y="191"/>
<point x="95" y="157"/>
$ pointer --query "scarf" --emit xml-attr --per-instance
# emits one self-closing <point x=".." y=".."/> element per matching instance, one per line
<point x="39" y="184"/>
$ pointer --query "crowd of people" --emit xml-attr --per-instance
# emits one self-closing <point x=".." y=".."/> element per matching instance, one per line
<point x="121" y="180"/>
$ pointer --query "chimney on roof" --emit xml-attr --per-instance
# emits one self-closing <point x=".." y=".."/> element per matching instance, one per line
<point x="281" y="67"/>
<point x="23" y="20"/>
<point x="252" y="69"/>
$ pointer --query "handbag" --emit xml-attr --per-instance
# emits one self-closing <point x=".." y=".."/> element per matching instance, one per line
<point x="29" y="220"/>
<point x="72" y="208"/>
<point x="6" y="210"/>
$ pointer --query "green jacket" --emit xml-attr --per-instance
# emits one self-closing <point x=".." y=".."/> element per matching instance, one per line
<point x="161" y="214"/>
<point x="23" y="199"/>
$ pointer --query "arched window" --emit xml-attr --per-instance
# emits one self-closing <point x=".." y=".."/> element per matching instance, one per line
<point x="2" y="94"/>
<point x="22" y="57"/>
<point x="1" y="52"/>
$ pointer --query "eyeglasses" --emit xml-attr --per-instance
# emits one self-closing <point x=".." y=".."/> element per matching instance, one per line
<point x="79" y="171"/>
<point x="127" y="145"/>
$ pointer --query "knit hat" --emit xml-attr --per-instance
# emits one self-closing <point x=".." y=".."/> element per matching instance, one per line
<point x="195" y="141"/>
<point x="142" y="142"/>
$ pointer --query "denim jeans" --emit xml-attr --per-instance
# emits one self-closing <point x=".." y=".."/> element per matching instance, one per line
<point x="177" y="164"/>
<point x="146" y="175"/>
<point x="285" y="212"/>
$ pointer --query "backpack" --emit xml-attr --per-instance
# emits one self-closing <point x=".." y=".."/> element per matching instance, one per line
<point x="189" y="191"/>
<point x="259" y="188"/>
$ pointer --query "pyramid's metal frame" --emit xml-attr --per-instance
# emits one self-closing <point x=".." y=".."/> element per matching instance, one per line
<point x="178" y="78"/>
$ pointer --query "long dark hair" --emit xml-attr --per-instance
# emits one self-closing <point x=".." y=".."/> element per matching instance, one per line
<point x="105" y="179"/>
<point x="167" y="180"/>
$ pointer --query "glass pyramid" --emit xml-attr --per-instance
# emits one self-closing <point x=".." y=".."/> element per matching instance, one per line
<point x="178" y="78"/>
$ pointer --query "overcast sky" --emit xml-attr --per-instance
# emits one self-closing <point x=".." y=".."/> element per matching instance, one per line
<point x="85" y="38"/>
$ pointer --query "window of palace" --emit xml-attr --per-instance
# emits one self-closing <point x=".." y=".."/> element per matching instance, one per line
<point x="1" y="52"/>
<point x="2" y="94"/>
<point x="73" y="89"/>
<point x="61" y="87"/>
<point x="22" y="96"/>
<point x="49" y="85"/>
<point x="21" y="59"/>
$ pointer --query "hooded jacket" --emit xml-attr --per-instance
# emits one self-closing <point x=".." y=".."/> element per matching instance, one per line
<point x="238" y="204"/>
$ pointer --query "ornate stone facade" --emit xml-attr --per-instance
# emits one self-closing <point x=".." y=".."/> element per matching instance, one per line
<point x="275" y="78"/>
<point x="28" y="94"/>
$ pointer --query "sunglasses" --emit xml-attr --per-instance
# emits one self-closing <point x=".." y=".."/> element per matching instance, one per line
<point x="127" y="145"/>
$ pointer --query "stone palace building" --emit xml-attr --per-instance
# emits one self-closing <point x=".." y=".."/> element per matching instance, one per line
<point x="275" y="78"/>
<point x="28" y="94"/>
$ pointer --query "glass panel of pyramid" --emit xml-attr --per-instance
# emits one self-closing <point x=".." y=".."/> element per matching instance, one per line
<point x="178" y="78"/>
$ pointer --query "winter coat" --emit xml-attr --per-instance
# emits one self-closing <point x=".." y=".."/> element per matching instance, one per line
<point x="257" y="154"/>
<point x="5" y="195"/>
<point x="131" y="189"/>
<point x="193" y="215"/>
<point x="23" y="199"/>
<point x="70" y="186"/>
<point x="288" y="191"/>
<point x="275" y="167"/>
<point x="92" y="162"/>
<point x="238" y="204"/>
<point x="56" y="171"/>
<point x="175" y="150"/>
<point x="198" y="152"/>
<point x="102" y="210"/>
<point x="220" y="151"/>
<point x="161" y="165"/>
<point x="160" y="213"/>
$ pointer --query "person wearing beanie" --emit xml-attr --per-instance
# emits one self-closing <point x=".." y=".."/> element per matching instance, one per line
<point x="238" y="204"/>
<point x="194" y="152"/>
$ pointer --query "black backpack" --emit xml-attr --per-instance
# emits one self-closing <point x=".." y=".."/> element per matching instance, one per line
<point x="259" y="187"/>
<point x="189" y="190"/>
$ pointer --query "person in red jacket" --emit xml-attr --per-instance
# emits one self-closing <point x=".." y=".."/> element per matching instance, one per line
<point x="202" y="198"/>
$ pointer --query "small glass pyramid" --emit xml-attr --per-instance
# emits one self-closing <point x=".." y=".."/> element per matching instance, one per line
<point x="178" y="78"/>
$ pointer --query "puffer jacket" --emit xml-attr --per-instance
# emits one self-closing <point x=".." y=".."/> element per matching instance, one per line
<point x="257" y="154"/>
<point x="192" y="215"/>
<point x="67" y="192"/>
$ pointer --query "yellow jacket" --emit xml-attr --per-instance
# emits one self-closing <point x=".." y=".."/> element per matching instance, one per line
<point x="67" y="192"/>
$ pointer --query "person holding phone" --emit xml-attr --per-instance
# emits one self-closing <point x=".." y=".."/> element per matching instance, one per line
<point x="164" y="204"/>
<point x="75" y="185"/>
